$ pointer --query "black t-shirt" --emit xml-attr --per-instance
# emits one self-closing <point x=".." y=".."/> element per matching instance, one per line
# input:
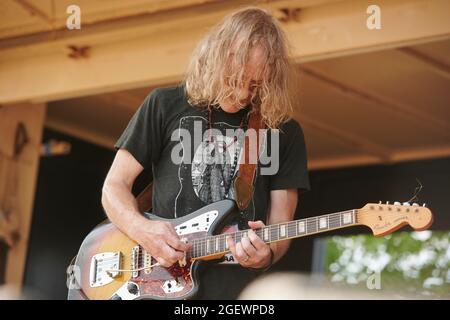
<point x="163" y="136"/>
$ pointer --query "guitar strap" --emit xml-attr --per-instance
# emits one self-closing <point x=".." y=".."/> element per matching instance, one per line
<point x="243" y="183"/>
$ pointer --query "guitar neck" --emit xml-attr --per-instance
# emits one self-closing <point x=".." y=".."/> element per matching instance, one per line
<point x="215" y="245"/>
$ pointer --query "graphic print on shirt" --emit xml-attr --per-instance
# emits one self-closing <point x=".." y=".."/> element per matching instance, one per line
<point x="208" y="165"/>
<point x="213" y="168"/>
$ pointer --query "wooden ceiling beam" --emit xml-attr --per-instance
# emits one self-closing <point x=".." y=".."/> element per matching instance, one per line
<point x="151" y="50"/>
<point x="433" y="124"/>
<point x="340" y="162"/>
<point x="441" y="151"/>
<point x="35" y="11"/>
<point x="87" y="134"/>
<point x="364" y="160"/>
<point x="432" y="63"/>
<point x="356" y="142"/>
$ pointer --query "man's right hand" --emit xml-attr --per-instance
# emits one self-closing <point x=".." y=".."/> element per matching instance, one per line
<point x="157" y="237"/>
<point x="161" y="241"/>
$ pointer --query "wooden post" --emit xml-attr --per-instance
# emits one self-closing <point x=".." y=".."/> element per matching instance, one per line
<point x="21" y="127"/>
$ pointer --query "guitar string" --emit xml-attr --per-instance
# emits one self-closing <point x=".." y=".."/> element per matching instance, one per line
<point x="311" y="221"/>
<point x="290" y="226"/>
<point x="199" y="244"/>
<point x="133" y="270"/>
<point x="272" y="229"/>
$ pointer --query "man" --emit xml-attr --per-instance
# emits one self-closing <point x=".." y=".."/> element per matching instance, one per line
<point x="239" y="68"/>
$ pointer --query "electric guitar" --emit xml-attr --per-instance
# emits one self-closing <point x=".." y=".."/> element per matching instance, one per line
<point x="110" y="265"/>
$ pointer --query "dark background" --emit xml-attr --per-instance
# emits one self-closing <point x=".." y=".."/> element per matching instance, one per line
<point x="67" y="206"/>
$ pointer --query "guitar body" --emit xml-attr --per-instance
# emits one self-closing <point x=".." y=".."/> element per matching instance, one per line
<point x="107" y="249"/>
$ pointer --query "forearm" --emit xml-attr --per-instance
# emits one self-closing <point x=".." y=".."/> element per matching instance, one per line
<point x="283" y="204"/>
<point x="121" y="207"/>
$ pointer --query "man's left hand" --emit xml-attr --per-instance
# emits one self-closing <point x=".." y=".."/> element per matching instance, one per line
<point x="251" y="251"/>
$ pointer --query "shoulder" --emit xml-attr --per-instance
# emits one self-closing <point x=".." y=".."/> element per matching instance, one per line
<point x="167" y="105"/>
<point x="166" y="94"/>
<point x="291" y="128"/>
<point x="167" y="100"/>
<point x="291" y="138"/>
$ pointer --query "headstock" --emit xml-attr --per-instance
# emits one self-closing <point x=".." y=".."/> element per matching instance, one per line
<point x="384" y="218"/>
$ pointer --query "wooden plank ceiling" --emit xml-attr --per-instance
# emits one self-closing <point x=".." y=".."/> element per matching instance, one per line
<point x="375" y="107"/>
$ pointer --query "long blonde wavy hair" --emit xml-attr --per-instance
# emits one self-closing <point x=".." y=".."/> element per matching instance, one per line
<point x="217" y="66"/>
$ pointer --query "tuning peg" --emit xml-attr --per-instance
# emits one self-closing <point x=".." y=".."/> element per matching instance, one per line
<point x="380" y="202"/>
<point x="396" y="203"/>
<point x="424" y="205"/>
<point x="406" y="204"/>
<point x="415" y="204"/>
<point x="387" y="202"/>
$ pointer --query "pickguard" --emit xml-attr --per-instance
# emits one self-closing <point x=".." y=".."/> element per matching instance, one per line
<point x="200" y="223"/>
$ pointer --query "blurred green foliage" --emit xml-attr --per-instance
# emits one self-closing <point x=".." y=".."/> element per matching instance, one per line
<point x="410" y="264"/>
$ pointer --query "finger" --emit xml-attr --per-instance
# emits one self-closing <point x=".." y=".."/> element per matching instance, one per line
<point x="233" y="248"/>
<point x="177" y="244"/>
<point x="231" y="245"/>
<point x="256" y="241"/>
<point x="170" y="233"/>
<point x="241" y="256"/>
<point x="171" y="255"/>
<point x="170" y="230"/>
<point x="163" y="262"/>
<point x="175" y="240"/>
<point x="248" y="247"/>
<point x="256" y="224"/>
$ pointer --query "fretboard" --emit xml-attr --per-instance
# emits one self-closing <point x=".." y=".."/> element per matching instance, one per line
<point x="214" y="245"/>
